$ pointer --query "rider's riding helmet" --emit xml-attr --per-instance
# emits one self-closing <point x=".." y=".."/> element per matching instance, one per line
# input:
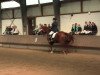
<point x="54" y="19"/>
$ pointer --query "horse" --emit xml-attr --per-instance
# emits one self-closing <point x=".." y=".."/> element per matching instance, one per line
<point x="63" y="38"/>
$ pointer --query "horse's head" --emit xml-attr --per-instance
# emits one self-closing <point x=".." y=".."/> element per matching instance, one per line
<point x="47" y="29"/>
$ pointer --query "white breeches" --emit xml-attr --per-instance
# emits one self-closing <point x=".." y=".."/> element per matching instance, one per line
<point x="53" y="36"/>
<point x="51" y="33"/>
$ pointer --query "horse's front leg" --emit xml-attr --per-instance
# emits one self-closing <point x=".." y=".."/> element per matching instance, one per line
<point x="51" y="50"/>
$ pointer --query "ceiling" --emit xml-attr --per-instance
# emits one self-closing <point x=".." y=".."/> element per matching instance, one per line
<point x="17" y="0"/>
<point x="8" y="0"/>
<point x="4" y="0"/>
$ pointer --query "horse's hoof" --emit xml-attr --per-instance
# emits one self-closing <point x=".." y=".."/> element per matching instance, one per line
<point x="65" y="52"/>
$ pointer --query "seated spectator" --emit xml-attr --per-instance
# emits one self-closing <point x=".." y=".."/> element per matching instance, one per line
<point x="7" y="30"/>
<point x="36" y="30"/>
<point x="87" y="28"/>
<point x="90" y="26"/>
<point x="78" y="29"/>
<point x="73" y="30"/>
<point x="94" y="28"/>
<point x="15" y="31"/>
<point x="49" y="26"/>
<point x="40" y="29"/>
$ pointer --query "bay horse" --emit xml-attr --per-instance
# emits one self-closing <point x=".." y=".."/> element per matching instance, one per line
<point x="63" y="38"/>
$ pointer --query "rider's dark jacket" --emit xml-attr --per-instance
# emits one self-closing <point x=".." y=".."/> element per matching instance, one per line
<point x="54" y="27"/>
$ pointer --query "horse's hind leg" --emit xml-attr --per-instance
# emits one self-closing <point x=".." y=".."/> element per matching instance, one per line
<point x="65" y="51"/>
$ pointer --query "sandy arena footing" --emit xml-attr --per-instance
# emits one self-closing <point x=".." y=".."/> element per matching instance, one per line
<point x="32" y="62"/>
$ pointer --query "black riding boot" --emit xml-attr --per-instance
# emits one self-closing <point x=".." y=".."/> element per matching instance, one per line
<point x="52" y="39"/>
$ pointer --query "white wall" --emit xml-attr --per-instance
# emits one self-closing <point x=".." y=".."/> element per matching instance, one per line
<point x="17" y="22"/>
<point x="67" y="20"/>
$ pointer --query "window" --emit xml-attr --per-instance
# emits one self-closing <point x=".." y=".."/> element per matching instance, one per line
<point x="9" y="4"/>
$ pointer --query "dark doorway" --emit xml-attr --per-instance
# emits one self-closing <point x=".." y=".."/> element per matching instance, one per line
<point x="31" y="25"/>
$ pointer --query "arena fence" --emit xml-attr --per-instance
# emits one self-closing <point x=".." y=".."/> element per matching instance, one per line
<point x="40" y="41"/>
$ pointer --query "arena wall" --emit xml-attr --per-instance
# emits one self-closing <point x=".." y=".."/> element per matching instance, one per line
<point x="81" y="43"/>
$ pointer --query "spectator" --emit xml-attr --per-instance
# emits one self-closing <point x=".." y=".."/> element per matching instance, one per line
<point x="85" y="26"/>
<point x="49" y="26"/>
<point x="89" y="26"/>
<point x="79" y="29"/>
<point x="73" y="30"/>
<point x="15" y="31"/>
<point x="7" y="30"/>
<point x="94" y="28"/>
<point x="36" y="30"/>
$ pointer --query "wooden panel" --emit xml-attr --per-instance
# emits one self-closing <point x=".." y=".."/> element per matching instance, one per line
<point x="91" y="5"/>
<point x="17" y="13"/>
<point x="73" y="7"/>
<point x="48" y="10"/>
<point x="87" y="41"/>
<point x="6" y="14"/>
<point x="33" y="11"/>
<point x="80" y="40"/>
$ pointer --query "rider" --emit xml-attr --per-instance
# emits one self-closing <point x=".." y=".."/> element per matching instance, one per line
<point x="54" y="29"/>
